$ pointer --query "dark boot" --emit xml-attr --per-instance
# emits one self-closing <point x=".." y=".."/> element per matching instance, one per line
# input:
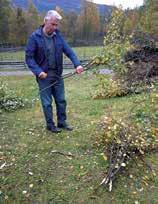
<point x="65" y="126"/>
<point x="53" y="129"/>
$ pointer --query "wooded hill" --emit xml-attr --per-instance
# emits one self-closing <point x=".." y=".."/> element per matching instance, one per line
<point x="73" y="5"/>
<point x="85" y="28"/>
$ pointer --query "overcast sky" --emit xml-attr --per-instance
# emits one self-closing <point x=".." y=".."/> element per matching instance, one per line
<point x="124" y="3"/>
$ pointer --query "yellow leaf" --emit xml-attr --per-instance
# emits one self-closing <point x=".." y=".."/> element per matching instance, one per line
<point x="105" y="157"/>
<point x="81" y="167"/>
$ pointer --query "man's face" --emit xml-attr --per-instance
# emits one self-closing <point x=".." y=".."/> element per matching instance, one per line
<point x="51" y="25"/>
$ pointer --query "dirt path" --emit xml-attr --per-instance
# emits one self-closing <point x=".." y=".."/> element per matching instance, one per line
<point x="23" y="73"/>
<point x="15" y="73"/>
<point x="26" y="73"/>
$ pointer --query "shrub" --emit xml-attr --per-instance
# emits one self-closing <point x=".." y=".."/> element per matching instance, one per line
<point x="109" y="86"/>
<point x="8" y="99"/>
<point x="116" y="44"/>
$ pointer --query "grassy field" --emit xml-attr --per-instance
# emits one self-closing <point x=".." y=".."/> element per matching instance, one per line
<point x="34" y="173"/>
<point x="82" y="52"/>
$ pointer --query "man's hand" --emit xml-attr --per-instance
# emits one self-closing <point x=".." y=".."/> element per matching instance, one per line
<point x="79" y="69"/>
<point x="42" y="75"/>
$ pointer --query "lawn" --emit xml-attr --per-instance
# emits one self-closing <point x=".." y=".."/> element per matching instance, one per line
<point x="36" y="172"/>
<point x="82" y="52"/>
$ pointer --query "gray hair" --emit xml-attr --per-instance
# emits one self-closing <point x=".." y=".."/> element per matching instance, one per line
<point x="52" y="13"/>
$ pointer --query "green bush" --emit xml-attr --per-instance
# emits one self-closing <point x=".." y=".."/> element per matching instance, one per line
<point x="116" y="44"/>
<point x="109" y="86"/>
<point x="8" y="99"/>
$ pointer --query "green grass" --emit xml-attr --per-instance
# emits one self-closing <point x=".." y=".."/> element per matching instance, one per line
<point x="36" y="175"/>
<point x="12" y="56"/>
<point x="82" y="52"/>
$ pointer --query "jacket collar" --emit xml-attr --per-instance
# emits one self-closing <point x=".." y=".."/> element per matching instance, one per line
<point x="40" y="32"/>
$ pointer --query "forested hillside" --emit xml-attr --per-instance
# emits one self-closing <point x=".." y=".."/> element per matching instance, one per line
<point x="81" y="21"/>
<point x="73" y="5"/>
<point x="84" y="27"/>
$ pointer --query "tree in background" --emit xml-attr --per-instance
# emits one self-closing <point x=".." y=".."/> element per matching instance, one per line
<point x="131" y="21"/>
<point x="5" y="12"/>
<point x="12" y="27"/>
<point x="149" y="18"/>
<point x="88" y="23"/>
<point x="22" y="23"/>
<point x="32" y="18"/>
<point x="71" y="26"/>
<point x="20" y="27"/>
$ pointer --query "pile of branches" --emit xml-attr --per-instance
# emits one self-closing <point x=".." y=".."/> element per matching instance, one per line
<point x="137" y="71"/>
<point x="129" y="138"/>
<point x="142" y="61"/>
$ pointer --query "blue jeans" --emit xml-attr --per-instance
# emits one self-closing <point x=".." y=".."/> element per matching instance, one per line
<point x="58" y="93"/>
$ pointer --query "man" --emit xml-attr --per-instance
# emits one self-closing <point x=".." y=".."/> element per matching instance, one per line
<point x="44" y="56"/>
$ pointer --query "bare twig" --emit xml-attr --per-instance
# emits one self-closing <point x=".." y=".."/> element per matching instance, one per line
<point x="63" y="153"/>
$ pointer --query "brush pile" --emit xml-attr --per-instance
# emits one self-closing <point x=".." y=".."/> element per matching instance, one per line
<point x="138" y="68"/>
<point x="142" y="62"/>
<point x="130" y="137"/>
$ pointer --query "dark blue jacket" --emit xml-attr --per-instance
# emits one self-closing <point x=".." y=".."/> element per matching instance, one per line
<point x="36" y="57"/>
